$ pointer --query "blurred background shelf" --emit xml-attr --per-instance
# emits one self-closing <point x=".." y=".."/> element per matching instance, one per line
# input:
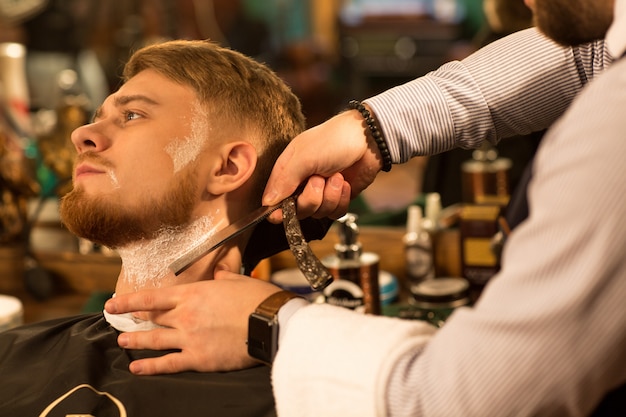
<point x="71" y="281"/>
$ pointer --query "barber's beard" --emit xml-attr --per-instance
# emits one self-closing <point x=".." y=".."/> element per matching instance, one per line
<point x="573" y="22"/>
<point x="107" y="220"/>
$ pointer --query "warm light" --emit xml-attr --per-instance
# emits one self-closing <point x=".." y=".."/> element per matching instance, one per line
<point x="12" y="50"/>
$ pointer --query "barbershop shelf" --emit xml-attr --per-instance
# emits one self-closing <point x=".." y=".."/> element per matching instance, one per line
<point x="81" y="274"/>
<point x="57" y="306"/>
<point x="72" y="280"/>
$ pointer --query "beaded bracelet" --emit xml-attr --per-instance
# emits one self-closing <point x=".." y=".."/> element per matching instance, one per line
<point x="376" y="134"/>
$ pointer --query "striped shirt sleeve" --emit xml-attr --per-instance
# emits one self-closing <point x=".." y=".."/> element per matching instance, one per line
<point x="514" y="86"/>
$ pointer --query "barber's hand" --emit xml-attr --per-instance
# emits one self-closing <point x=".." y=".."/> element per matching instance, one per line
<point x="206" y="320"/>
<point x="337" y="160"/>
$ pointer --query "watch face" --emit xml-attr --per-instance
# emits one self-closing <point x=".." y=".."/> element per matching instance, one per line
<point x="262" y="337"/>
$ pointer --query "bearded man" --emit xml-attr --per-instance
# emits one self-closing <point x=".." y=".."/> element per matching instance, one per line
<point x="547" y="335"/>
<point x="181" y="150"/>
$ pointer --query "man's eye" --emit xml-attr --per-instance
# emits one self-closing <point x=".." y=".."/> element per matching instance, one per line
<point x="131" y="115"/>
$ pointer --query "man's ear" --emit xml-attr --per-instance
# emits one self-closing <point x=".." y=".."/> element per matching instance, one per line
<point x="235" y="165"/>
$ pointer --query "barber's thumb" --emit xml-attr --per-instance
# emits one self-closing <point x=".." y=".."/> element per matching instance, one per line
<point x="221" y="271"/>
<point x="270" y="197"/>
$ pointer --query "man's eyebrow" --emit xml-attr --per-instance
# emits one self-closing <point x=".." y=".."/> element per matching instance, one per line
<point x="123" y="100"/>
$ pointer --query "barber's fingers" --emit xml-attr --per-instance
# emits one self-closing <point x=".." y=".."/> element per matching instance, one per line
<point x="146" y="300"/>
<point x="341" y="208"/>
<point x="176" y="362"/>
<point x="308" y="201"/>
<point x="321" y="150"/>
<point x="222" y="271"/>
<point x="312" y="197"/>
<point x="156" y="339"/>
<point x="320" y="197"/>
<point x="168" y="364"/>
<point x="194" y="351"/>
<point x="284" y="178"/>
<point x="190" y="355"/>
<point x="335" y="199"/>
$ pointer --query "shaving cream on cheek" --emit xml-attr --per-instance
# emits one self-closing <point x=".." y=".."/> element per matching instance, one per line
<point x="186" y="150"/>
<point x="114" y="181"/>
<point x="146" y="263"/>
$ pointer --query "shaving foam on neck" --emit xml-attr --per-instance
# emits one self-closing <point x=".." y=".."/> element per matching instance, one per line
<point x="145" y="263"/>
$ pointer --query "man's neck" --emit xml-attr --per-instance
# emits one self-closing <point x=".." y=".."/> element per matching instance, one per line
<point x="145" y="263"/>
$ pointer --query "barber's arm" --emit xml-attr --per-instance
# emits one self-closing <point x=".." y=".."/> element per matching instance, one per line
<point x="516" y="85"/>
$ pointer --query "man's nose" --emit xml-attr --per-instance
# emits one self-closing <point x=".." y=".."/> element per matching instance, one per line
<point x="89" y="138"/>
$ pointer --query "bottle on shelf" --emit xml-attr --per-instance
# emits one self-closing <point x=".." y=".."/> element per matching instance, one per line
<point x="356" y="283"/>
<point x="432" y="213"/>
<point x="418" y="250"/>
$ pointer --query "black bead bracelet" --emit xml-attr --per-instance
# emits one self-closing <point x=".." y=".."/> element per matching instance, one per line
<point x="376" y="134"/>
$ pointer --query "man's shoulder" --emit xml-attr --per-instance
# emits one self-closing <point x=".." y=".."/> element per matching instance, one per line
<point x="54" y="325"/>
<point x="46" y="335"/>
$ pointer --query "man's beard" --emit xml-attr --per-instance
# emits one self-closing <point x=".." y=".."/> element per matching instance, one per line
<point x="572" y="22"/>
<point x="105" y="220"/>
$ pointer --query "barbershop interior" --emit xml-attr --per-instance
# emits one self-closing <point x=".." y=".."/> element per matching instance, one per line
<point x="420" y="241"/>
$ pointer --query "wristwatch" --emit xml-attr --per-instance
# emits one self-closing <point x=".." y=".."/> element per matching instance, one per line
<point x="263" y="327"/>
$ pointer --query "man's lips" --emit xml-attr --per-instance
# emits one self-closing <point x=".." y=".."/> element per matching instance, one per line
<point x="86" y="169"/>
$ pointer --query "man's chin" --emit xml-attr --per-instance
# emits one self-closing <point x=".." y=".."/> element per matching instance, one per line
<point x="99" y="219"/>
<point x="112" y="221"/>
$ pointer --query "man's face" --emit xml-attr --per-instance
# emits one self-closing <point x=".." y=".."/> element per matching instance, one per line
<point x="572" y="22"/>
<point x="137" y="163"/>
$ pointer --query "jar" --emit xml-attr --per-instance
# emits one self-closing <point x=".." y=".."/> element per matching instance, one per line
<point x="434" y="300"/>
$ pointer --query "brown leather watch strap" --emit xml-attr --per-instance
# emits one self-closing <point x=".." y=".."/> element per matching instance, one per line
<point x="270" y="306"/>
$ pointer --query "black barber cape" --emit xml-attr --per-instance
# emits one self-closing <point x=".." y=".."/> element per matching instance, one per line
<point x="73" y="366"/>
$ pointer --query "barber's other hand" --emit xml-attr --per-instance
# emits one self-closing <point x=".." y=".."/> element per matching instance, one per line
<point x="206" y="320"/>
<point x="337" y="160"/>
